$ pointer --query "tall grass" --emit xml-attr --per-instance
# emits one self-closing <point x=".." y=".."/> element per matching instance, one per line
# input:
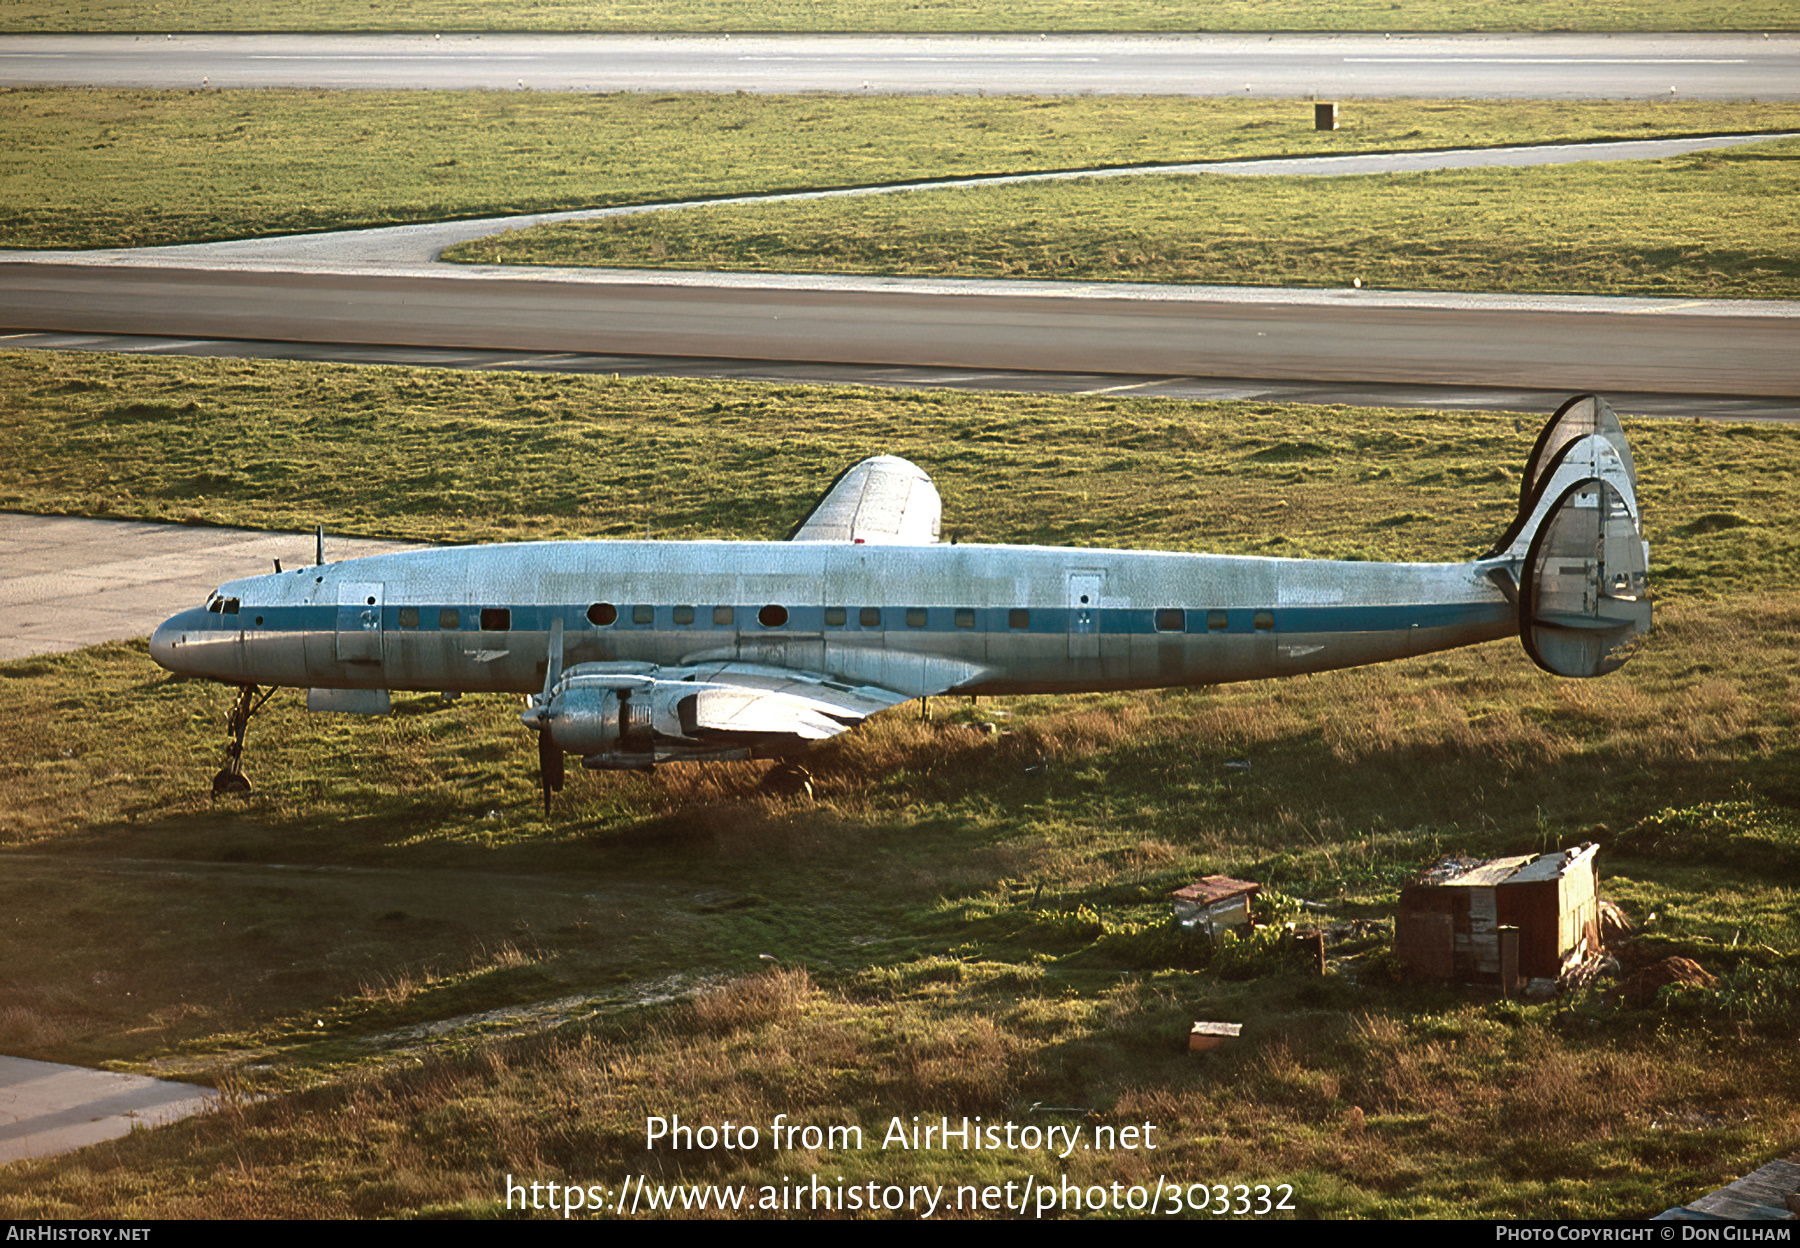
<point x="1461" y="1109"/>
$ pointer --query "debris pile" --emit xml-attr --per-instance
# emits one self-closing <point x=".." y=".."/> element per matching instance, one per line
<point x="1639" y="989"/>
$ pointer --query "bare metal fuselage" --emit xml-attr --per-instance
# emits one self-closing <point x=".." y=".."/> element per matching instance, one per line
<point x="913" y="619"/>
<point x="638" y="653"/>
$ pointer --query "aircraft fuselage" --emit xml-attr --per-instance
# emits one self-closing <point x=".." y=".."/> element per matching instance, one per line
<point x="639" y="653"/>
<point x="914" y="619"/>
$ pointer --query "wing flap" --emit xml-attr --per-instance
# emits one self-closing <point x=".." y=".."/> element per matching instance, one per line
<point x="842" y="701"/>
<point x="754" y="713"/>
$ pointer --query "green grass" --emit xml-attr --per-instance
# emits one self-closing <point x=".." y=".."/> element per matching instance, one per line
<point x="431" y="986"/>
<point x="104" y="168"/>
<point x="1710" y="224"/>
<point x="980" y="938"/>
<point x="441" y="455"/>
<point x="889" y="15"/>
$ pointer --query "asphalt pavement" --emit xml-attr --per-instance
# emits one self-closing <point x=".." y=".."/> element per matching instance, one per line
<point x="67" y="582"/>
<point x="1349" y="66"/>
<point x="48" y="1108"/>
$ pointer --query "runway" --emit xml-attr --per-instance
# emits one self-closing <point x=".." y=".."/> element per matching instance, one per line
<point x="1494" y="66"/>
<point x="382" y="288"/>
<point x="1737" y="409"/>
<point x="379" y="289"/>
<point x="1665" y="346"/>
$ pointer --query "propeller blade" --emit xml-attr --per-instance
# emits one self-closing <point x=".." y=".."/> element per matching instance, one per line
<point x="553" y="667"/>
<point x="550" y="768"/>
<point x="550" y="759"/>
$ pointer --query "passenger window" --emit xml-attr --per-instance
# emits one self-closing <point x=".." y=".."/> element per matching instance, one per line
<point x="684" y="615"/>
<point x="409" y="617"/>
<point x="1264" y="620"/>
<point x="601" y="614"/>
<point x="1171" y="620"/>
<point x="496" y="619"/>
<point x="642" y="614"/>
<point x="835" y="617"/>
<point x="915" y="617"/>
<point x="722" y="617"/>
<point x="1018" y="617"/>
<point x="772" y="616"/>
<point x="869" y="617"/>
<point x="447" y="618"/>
<point x="1217" y="621"/>
<point x="965" y="617"/>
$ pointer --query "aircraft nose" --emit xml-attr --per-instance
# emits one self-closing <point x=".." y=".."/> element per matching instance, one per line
<point x="167" y="642"/>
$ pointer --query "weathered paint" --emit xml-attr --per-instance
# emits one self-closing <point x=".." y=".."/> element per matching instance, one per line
<point x="641" y="651"/>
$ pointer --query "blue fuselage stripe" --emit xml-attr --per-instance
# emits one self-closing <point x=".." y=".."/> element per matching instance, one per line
<point x="811" y="620"/>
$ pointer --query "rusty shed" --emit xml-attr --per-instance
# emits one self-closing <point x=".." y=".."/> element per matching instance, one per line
<point x="1451" y="918"/>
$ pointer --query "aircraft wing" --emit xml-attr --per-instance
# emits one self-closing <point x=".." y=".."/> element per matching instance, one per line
<point x="749" y="698"/>
<point x="613" y="710"/>
<point x="883" y="500"/>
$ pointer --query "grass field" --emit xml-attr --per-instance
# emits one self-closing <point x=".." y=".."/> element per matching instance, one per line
<point x="104" y="168"/>
<point x="891" y="15"/>
<point x="448" y="456"/>
<point x="1714" y="224"/>
<point x="968" y="920"/>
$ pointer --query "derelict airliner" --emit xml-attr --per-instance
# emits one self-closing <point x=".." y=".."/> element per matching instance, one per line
<point x="645" y="652"/>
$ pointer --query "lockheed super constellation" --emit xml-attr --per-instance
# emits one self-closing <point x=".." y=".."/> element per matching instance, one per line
<point x="645" y="652"/>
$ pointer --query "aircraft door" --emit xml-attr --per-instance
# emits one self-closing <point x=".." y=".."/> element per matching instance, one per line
<point x="1084" y="614"/>
<point x="359" y="622"/>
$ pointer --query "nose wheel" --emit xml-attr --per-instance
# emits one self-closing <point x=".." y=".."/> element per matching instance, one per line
<point x="231" y="777"/>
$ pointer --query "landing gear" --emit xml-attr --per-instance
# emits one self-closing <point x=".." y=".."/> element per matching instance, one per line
<point x="788" y="780"/>
<point x="231" y="778"/>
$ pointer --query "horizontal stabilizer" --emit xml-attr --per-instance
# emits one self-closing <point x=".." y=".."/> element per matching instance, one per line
<point x="1584" y="597"/>
<point x="883" y="500"/>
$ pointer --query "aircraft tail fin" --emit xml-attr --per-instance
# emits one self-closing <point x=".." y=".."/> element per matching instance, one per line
<point x="1577" y="545"/>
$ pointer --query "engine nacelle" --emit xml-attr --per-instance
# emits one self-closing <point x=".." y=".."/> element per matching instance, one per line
<point x="606" y="712"/>
<point x="629" y="716"/>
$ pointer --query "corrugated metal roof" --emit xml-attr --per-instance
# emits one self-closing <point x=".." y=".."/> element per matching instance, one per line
<point x="1554" y="866"/>
<point x="1523" y="869"/>
<point x="1212" y="888"/>
<point x="1494" y="871"/>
